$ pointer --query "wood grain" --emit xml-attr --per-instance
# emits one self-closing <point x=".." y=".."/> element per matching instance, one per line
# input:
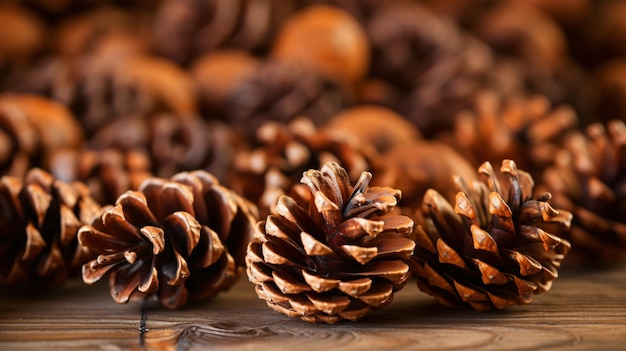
<point x="585" y="310"/>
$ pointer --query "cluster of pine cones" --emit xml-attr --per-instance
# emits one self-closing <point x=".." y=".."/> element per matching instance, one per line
<point x="330" y="150"/>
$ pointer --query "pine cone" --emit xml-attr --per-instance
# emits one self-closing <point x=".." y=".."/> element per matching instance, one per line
<point x="281" y="91"/>
<point x="413" y="168"/>
<point x="21" y="38"/>
<point x="173" y="143"/>
<point x="32" y="129"/>
<point x="538" y="47"/>
<point x="332" y="252"/>
<point x="108" y="173"/>
<point x="361" y="10"/>
<point x="104" y="25"/>
<point x="113" y="82"/>
<point x="376" y="126"/>
<point x="519" y="30"/>
<point x="268" y="171"/>
<point x="433" y="69"/>
<point x="492" y="249"/>
<point x="528" y="130"/>
<point x="326" y="40"/>
<point x="587" y="178"/>
<point x="408" y="41"/>
<point x="173" y="240"/>
<point x="184" y="29"/>
<point x="38" y="225"/>
<point x="218" y="74"/>
<point x="610" y="81"/>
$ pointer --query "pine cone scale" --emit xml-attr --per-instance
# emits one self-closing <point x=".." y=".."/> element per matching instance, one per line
<point x="124" y="282"/>
<point x="148" y="281"/>
<point x="289" y="284"/>
<point x="184" y="229"/>
<point x="135" y="207"/>
<point x="378" y="296"/>
<point x="354" y="288"/>
<point x="390" y="245"/>
<point x="313" y="247"/>
<point x="208" y="250"/>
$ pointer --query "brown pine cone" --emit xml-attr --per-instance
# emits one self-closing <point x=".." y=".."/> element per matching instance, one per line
<point x="361" y="10"/>
<point x="326" y="40"/>
<point x="587" y="178"/>
<point x="185" y="29"/>
<point x="415" y="167"/>
<point x="38" y="224"/>
<point x="173" y="143"/>
<point x="375" y="126"/>
<point x="433" y="69"/>
<point x="332" y="251"/>
<point x="492" y="249"/>
<point x="174" y="240"/>
<point x="520" y="30"/>
<point x="610" y="80"/>
<point x="527" y="129"/>
<point x="22" y="36"/>
<point x="218" y="74"/>
<point x="408" y="40"/>
<point x="108" y="173"/>
<point x="269" y="170"/>
<point x="111" y="83"/>
<point x="104" y="25"/>
<point x="32" y="129"/>
<point x="537" y="45"/>
<point x="281" y="91"/>
<point x="604" y="32"/>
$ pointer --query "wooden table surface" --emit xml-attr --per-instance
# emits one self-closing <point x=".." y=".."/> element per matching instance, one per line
<point x="585" y="310"/>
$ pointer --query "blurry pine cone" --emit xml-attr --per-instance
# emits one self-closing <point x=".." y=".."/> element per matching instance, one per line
<point x="89" y="31"/>
<point x="112" y="83"/>
<point x="108" y="173"/>
<point x="173" y="240"/>
<point x="332" y="251"/>
<point x="415" y="167"/>
<point x="361" y="10"/>
<point x="173" y="143"/>
<point x="492" y="249"/>
<point x="377" y="127"/>
<point x="185" y="29"/>
<point x="32" y="129"/>
<point x="519" y="30"/>
<point x="58" y="10"/>
<point x="610" y="81"/>
<point x="22" y="36"/>
<point x="280" y="91"/>
<point x="326" y="40"/>
<point x="587" y="178"/>
<point x="284" y="152"/>
<point x="528" y="130"/>
<point x="536" y="45"/>
<point x="38" y="224"/>
<point x="408" y="40"/>
<point x="428" y="68"/>
<point x="218" y="74"/>
<point x="566" y="84"/>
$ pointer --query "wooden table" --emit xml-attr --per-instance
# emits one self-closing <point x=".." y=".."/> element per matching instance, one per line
<point x="585" y="310"/>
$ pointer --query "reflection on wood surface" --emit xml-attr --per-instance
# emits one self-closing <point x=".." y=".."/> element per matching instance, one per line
<point x="584" y="310"/>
